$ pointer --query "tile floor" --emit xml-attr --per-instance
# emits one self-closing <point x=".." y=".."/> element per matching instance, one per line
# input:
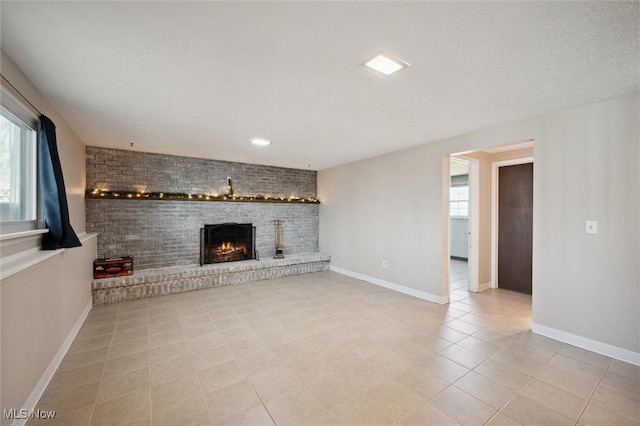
<point x="326" y="349"/>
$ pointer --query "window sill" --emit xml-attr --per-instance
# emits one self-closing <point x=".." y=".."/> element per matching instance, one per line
<point x="18" y="262"/>
<point x="24" y="234"/>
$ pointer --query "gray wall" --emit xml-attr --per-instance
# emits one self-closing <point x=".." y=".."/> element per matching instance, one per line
<point x="166" y="233"/>
<point x="586" y="167"/>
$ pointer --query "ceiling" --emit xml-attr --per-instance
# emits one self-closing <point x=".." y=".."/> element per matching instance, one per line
<point x="203" y="78"/>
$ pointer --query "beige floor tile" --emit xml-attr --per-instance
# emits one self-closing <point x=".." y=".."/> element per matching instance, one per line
<point x="257" y="415"/>
<point x="531" y="352"/>
<point x="126" y="364"/>
<point x="618" y="403"/>
<point x="257" y="362"/>
<point x="64" y="381"/>
<point x="388" y="362"/>
<point x="130" y="324"/>
<point x="90" y="344"/>
<point x="427" y="415"/>
<point x="567" y="381"/>
<point x="462" y="407"/>
<point x="231" y="399"/>
<point x="274" y="382"/>
<point x="193" y="412"/>
<point x="526" y="411"/>
<point x="463" y="326"/>
<point x="583" y="355"/>
<point x="311" y="368"/>
<point x="211" y="357"/>
<point x="626" y="385"/>
<point x="359" y="410"/>
<point x="363" y="375"/>
<point x="119" y="410"/>
<point x="323" y="419"/>
<point x="161" y="314"/>
<point x="552" y="397"/>
<point x="421" y="381"/>
<point x="175" y="391"/>
<point x="331" y="390"/>
<point x="82" y="359"/>
<point x="485" y="389"/>
<point x="115" y="386"/>
<point x="80" y="417"/>
<point x="205" y="341"/>
<point x="499" y="419"/>
<point x="316" y="341"/>
<point x="597" y="415"/>
<point x="339" y="357"/>
<point x="394" y="399"/>
<point x="463" y="356"/>
<point x="625" y="369"/>
<point x="164" y="339"/>
<point x="200" y="329"/>
<point x="295" y="407"/>
<point x="479" y="346"/>
<point x="126" y="316"/>
<point x="169" y="370"/>
<point x="518" y="361"/>
<point x="168" y="352"/>
<point x="129" y="348"/>
<point x="131" y="334"/>
<point x="89" y="332"/>
<point x="70" y="399"/>
<point x="578" y="369"/>
<point x="164" y="327"/>
<point x="192" y="320"/>
<point x="502" y="374"/>
<point x="444" y="368"/>
<point x="220" y="375"/>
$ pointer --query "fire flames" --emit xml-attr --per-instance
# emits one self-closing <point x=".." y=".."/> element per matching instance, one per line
<point x="229" y="248"/>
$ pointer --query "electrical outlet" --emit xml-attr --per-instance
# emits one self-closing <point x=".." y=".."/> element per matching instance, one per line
<point x="384" y="263"/>
<point x="591" y="227"/>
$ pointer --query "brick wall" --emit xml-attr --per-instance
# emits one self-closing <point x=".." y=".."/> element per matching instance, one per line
<point x="166" y="233"/>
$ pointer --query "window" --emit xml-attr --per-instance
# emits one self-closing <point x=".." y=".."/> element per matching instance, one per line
<point x="18" y="185"/>
<point x="459" y="201"/>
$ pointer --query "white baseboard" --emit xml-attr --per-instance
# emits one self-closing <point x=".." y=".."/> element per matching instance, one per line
<point x="588" y="344"/>
<point x="484" y="286"/>
<point x="392" y="286"/>
<point x="31" y="402"/>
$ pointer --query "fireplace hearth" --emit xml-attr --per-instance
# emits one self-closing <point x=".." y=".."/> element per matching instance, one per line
<point x="227" y="242"/>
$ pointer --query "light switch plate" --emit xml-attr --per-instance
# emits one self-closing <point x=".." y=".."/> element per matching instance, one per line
<point x="591" y="227"/>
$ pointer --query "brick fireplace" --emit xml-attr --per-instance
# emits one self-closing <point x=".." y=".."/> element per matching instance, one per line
<point x="167" y="233"/>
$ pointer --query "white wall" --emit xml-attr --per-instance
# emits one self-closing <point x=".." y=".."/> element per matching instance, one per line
<point x="586" y="167"/>
<point x="40" y="305"/>
<point x="459" y="233"/>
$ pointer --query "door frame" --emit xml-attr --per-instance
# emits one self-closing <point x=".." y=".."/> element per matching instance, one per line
<point x="494" y="210"/>
<point x="473" y="260"/>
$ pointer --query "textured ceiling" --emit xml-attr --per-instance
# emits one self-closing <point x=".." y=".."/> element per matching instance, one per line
<point x="203" y="78"/>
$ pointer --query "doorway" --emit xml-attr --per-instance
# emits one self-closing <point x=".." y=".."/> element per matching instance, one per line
<point x="462" y="223"/>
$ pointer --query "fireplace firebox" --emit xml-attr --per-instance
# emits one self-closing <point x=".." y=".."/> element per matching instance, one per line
<point x="227" y="242"/>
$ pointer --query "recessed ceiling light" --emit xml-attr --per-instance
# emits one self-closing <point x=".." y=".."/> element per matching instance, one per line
<point x="260" y="141"/>
<point x="385" y="64"/>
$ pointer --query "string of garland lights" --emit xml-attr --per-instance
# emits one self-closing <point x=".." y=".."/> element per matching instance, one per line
<point x="184" y="196"/>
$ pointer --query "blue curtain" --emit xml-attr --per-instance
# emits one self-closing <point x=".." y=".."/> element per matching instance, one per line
<point x="56" y="210"/>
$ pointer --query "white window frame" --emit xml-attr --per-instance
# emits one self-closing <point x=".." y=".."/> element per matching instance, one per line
<point x="14" y="106"/>
<point x="452" y="201"/>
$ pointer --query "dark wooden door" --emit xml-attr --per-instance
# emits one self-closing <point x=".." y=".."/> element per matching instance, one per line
<point x="515" y="227"/>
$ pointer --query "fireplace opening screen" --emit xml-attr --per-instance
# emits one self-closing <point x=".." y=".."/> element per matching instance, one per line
<point x="227" y="242"/>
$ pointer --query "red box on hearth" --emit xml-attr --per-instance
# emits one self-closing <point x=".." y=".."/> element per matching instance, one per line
<point x="114" y="267"/>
